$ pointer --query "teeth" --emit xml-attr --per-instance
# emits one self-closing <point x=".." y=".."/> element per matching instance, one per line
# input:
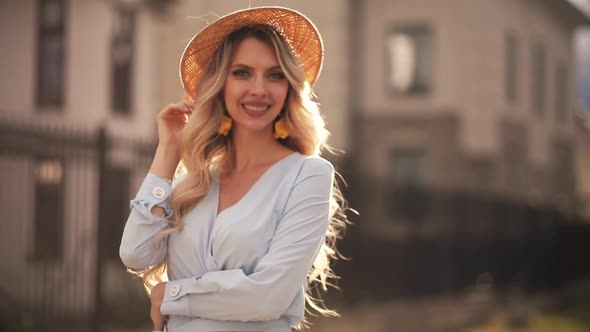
<point x="255" y="108"/>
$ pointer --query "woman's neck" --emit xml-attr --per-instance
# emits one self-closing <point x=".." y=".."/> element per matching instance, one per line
<point x="253" y="149"/>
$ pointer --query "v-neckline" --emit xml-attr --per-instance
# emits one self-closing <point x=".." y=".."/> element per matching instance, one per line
<point x="218" y="193"/>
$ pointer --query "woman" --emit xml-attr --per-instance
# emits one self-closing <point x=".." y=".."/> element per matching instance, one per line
<point x="253" y="219"/>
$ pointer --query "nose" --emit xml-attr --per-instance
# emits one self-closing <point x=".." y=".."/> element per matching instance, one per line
<point x="258" y="87"/>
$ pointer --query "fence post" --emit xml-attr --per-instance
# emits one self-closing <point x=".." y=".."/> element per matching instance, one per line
<point x="101" y="155"/>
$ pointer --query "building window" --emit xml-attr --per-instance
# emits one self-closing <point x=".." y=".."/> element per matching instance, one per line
<point x="115" y="210"/>
<point x="538" y="78"/>
<point x="409" y="57"/>
<point x="511" y="67"/>
<point x="561" y="88"/>
<point x="50" y="53"/>
<point x="408" y="183"/>
<point x="564" y="181"/>
<point x="49" y="210"/>
<point x="122" y="44"/>
<point x="582" y="63"/>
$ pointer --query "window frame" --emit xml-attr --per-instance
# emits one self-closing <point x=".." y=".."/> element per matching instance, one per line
<point x="122" y="78"/>
<point x="561" y="89"/>
<point x="539" y="79"/>
<point x="425" y="30"/>
<point x="511" y="65"/>
<point x="410" y="198"/>
<point x="43" y="100"/>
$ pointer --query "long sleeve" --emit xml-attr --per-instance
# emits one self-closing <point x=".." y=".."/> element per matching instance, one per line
<point x="137" y="249"/>
<point x="268" y="291"/>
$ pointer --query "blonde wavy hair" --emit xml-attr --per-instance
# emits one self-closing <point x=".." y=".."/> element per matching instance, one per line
<point x="204" y="150"/>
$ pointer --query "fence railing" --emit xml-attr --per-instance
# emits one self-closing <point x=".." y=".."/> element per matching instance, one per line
<point x="65" y="196"/>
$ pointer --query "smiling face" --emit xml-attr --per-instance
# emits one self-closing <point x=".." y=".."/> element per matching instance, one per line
<point x="256" y="88"/>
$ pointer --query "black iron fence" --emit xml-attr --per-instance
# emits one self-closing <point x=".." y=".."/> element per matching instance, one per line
<point x="65" y="198"/>
<point x="450" y="241"/>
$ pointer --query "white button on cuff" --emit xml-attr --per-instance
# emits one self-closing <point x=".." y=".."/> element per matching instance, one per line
<point x="159" y="192"/>
<point x="174" y="290"/>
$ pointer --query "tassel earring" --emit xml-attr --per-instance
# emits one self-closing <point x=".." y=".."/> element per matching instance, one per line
<point x="225" y="125"/>
<point x="281" y="131"/>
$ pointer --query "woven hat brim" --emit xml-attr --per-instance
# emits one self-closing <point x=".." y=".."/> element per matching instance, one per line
<point x="298" y="31"/>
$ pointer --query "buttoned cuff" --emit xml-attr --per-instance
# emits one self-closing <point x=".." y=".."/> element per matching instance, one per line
<point x="175" y="302"/>
<point x="154" y="191"/>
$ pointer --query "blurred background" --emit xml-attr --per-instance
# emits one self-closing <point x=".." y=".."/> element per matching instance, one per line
<point x="465" y="126"/>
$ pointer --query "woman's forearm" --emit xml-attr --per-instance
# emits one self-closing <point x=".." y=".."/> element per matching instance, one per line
<point x="164" y="165"/>
<point x="165" y="161"/>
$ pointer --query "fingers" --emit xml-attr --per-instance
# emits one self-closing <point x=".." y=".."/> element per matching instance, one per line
<point x="158" y="320"/>
<point x="189" y="105"/>
<point x="189" y="108"/>
<point x="156" y="298"/>
<point x="172" y="116"/>
<point x="177" y="111"/>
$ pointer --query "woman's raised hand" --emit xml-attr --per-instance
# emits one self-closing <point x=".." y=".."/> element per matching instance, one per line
<point x="171" y="120"/>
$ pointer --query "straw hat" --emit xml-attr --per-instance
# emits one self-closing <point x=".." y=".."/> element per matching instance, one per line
<point x="298" y="31"/>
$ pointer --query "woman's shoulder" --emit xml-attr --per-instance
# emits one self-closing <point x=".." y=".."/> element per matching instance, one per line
<point x="315" y="164"/>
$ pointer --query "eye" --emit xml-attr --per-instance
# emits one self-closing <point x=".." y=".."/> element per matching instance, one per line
<point x="276" y="76"/>
<point x="240" y="73"/>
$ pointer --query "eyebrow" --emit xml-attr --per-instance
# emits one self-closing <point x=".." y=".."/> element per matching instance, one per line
<point x="251" y="68"/>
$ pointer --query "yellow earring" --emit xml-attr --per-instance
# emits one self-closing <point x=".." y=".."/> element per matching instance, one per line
<point x="225" y="126"/>
<point x="280" y="130"/>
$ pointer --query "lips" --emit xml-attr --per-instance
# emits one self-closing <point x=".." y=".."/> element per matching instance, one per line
<point x="255" y="109"/>
<point x="256" y="106"/>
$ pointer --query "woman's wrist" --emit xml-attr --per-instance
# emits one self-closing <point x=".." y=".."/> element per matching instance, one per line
<point x="165" y="161"/>
<point x="168" y="148"/>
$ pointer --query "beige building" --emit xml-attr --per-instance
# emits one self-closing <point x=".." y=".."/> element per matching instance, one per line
<point x="429" y="98"/>
<point x="463" y="97"/>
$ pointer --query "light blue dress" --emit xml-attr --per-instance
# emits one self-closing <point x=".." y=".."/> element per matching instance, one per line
<point x="246" y="268"/>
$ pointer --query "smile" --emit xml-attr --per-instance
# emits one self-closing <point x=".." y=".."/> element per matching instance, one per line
<point x="255" y="108"/>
